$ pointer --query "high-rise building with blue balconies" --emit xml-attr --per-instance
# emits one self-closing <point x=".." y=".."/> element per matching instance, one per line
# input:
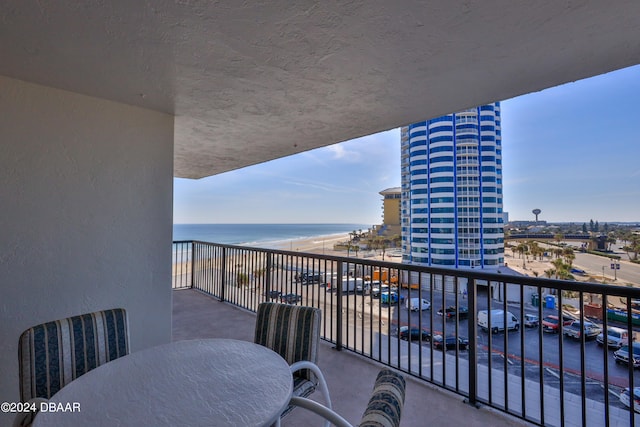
<point x="452" y="190"/>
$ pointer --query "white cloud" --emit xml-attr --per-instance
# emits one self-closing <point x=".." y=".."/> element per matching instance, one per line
<point x="339" y="152"/>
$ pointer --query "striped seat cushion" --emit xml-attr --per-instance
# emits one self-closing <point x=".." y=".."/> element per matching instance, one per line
<point x="386" y="402"/>
<point x="55" y="353"/>
<point x="291" y="331"/>
<point x="301" y="388"/>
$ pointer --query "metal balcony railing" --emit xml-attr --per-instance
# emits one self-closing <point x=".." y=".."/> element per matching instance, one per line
<point x="544" y="378"/>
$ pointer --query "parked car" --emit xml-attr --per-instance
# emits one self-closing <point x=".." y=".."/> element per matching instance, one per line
<point x="377" y="289"/>
<point x="616" y="337"/>
<point x="362" y="287"/>
<point x="531" y="320"/>
<point x="449" y="312"/>
<point x="577" y="328"/>
<point x="497" y="320"/>
<point x="625" y="398"/>
<point x="390" y="297"/>
<point x="273" y="294"/>
<point x="418" y="304"/>
<point x="290" y="298"/>
<point x="309" y="278"/>
<point x="622" y="354"/>
<point x="414" y="333"/>
<point x="450" y="342"/>
<point x="550" y="323"/>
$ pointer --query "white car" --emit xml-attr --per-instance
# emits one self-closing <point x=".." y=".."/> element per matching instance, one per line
<point x="616" y="337"/>
<point x="625" y="398"/>
<point x="417" y="304"/>
<point x="377" y="289"/>
<point x="622" y="355"/>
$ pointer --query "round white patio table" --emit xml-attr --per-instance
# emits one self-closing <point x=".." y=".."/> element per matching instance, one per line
<point x="212" y="382"/>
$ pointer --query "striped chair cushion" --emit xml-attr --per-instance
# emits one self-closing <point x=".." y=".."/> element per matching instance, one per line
<point x="55" y="353"/>
<point x="291" y="331"/>
<point x="385" y="406"/>
<point x="301" y="388"/>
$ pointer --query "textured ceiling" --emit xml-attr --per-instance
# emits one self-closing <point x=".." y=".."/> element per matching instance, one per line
<point x="250" y="81"/>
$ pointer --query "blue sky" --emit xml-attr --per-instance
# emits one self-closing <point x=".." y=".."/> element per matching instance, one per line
<point x="572" y="151"/>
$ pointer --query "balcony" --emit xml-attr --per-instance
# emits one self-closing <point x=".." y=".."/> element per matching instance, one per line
<point x="577" y="382"/>
<point x="350" y="376"/>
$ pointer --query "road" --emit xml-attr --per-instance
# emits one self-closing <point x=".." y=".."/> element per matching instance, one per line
<point x="628" y="272"/>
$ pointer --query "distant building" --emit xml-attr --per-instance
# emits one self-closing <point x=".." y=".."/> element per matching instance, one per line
<point x="452" y="190"/>
<point x="391" y="211"/>
<point x="526" y="224"/>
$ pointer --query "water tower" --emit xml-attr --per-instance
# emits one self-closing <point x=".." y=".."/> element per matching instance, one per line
<point x="536" y="212"/>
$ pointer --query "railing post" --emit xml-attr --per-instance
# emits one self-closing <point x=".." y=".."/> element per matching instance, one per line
<point x="224" y="274"/>
<point x="193" y="262"/>
<point x="267" y="284"/>
<point x="339" y="308"/>
<point x="473" y="341"/>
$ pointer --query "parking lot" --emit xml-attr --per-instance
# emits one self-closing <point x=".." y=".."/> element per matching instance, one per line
<point x="522" y="356"/>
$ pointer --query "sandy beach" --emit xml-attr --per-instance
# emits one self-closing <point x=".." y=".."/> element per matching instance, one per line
<point x="314" y="244"/>
<point x="323" y="245"/>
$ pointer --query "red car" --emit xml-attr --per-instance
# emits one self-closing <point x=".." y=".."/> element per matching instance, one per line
<point x="550" y="323"/>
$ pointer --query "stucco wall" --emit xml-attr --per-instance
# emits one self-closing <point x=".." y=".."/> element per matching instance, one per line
<point x="86" y="215"/>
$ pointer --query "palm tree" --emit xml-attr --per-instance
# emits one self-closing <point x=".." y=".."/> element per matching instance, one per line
<point x="564" y="275"/>
<point x="535" y="250"/>
<point x="568" y="255"/>
<point x="562" y="269"/>
<point x="633" y="247"/>
<point x="558" y="263"/>
<point x="557" y="252"/>
<point x="242" y="279"/>
<point x="383" y="244"/>
<point x="259" y="274"/>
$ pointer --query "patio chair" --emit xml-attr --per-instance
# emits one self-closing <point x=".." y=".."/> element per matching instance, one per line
<point x="53" y="354"/>
<point x="384" y="408"/>
<point x="294" y="333"/>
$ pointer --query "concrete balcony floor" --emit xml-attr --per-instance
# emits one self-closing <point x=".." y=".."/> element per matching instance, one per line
<point x="350" y="377"/>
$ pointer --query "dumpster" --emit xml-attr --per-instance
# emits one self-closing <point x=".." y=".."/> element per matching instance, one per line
<point x="550" y="301"/>
<point x="535" y="300"/>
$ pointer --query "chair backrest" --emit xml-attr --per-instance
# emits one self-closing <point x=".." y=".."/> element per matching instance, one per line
<point x="55" y="353"/>
<point x="386" y="402"/>
<point x="291" y="331"/>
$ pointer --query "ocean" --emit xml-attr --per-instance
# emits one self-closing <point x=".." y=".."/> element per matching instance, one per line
<point x="259" y="235"/>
